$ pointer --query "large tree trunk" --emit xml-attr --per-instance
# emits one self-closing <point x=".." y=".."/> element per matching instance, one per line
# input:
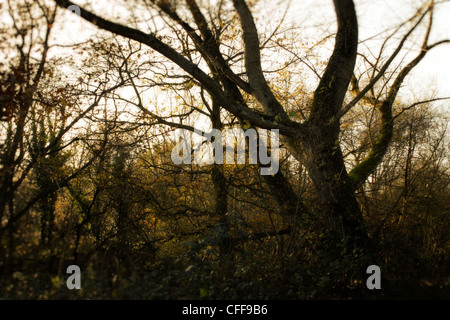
<point x="336" y="195"/>
<point x="324" y="157"/>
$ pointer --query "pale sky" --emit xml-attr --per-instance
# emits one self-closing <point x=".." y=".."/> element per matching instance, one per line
<point x="432" y="74"/>
<point x="377" y="15"/>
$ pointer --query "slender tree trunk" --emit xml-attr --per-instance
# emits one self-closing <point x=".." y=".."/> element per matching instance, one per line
<point x="220" y="184"/>
<point x="221" y="210"/>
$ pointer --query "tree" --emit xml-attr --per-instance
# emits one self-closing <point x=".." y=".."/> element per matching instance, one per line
<point x="87" y="175"/>
<point x="34" y="159"/>
<point x="315" y="141"/>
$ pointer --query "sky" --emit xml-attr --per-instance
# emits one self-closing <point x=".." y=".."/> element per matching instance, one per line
<point x="434" y="70"/>
<point x="431" y="76"/>
<point x="375" y="16"/>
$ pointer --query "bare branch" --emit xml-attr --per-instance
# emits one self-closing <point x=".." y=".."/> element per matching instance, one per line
<point x="253" y="67"/>
<point x="335" y="81"/>
<point x="437" y="44"/>
<point x="382" y="71"/>
<point x="288" y="128"/>
<point x="419" y="103"/>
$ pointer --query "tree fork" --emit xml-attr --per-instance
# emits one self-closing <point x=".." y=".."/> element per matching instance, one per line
<point x="325" y="160"/>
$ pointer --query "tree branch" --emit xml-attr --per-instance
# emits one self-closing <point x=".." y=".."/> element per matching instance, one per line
<point x="419" y="103"/>
<point x="289" y="128"/>
<point x="252" y="55"/>
<point x="382" y="71"/>
<point x="330" y="93"/>
<point x="363" y="170"/>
